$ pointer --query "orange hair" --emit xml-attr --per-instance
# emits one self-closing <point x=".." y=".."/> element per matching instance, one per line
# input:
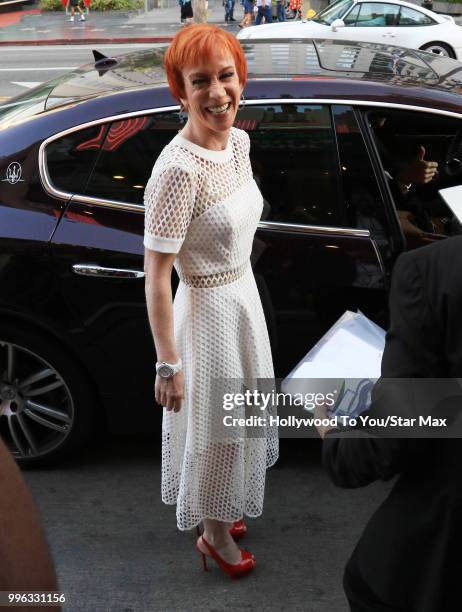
<point x="195" y="45"/>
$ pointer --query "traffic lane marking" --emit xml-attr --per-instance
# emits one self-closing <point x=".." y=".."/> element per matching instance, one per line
<point x="36" y="69"/>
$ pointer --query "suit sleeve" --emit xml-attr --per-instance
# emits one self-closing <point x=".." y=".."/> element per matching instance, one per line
<point x="357" y="457"/>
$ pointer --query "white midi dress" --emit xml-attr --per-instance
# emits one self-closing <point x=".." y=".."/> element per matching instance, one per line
<point x="204" y="205"/>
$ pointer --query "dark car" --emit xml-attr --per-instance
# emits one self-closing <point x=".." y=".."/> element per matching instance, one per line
<point x="332" y="125"/>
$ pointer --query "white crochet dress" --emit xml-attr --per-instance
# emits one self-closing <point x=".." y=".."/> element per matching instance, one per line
<point x="205" y="206"/>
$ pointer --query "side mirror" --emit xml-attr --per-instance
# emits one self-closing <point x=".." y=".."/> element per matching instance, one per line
<point x="337" y="23"/>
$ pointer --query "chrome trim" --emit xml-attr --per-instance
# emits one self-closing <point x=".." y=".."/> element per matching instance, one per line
<point x="313" y="229"/>
<point x="102" y="272"/>
<point x="54" y="192"/>
<point x="108" y="203"/>
<point x="379" y="256"/>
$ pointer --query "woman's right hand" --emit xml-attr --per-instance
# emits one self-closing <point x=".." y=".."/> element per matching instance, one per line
<point x="169" y="392"/>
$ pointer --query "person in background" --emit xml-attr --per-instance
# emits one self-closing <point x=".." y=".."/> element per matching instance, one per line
<point x="264" y="10"/>
<point x="75" y="4"/>
<point x="186" y="11"/>
<point x="229" y="10"/>
<point x="248" y="13"/>
<point x="25" y="560"/>
<point x="281" y="8"/>
<point x="296" y="7"/>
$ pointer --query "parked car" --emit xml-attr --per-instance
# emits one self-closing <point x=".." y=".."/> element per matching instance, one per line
<point x="392" y="22"/>
<point x="330" y="126"/>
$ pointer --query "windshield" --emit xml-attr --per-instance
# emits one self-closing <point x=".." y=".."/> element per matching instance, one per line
<point x="333" y="12"/>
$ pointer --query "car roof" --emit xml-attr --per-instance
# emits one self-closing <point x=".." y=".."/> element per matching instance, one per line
<point x="341" y="65"/>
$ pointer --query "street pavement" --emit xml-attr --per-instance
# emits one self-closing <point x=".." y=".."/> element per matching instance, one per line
<point x="158" y="25"/>
<point x="117" y="548"/>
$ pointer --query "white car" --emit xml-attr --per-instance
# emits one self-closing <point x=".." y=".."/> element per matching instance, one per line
<point x="392" y="22"/>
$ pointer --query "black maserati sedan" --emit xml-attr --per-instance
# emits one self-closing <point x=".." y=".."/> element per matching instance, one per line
<point x="333" y="125"/>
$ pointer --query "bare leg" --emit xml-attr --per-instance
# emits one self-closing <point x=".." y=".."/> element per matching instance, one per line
<point x="217" y="535"/>
<point x="25" y="560"/>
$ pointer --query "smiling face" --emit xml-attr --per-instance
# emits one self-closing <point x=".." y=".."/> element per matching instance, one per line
<point x="212" y="93"/>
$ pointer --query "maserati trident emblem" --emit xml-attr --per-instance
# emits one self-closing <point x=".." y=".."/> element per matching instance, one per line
<point x="13" y="174"/>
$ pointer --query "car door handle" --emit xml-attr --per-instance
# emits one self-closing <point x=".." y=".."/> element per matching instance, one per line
<point x="388" y="35"/>
<point x="102" y="272"/>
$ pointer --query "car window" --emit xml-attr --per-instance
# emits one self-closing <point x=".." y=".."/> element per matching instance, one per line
<point x="70" y="158"/>
<point x="377" y="14"/>
<point x="409" y="17"/>
<point x="128" y="154"/>
<point x="294" y="161"/>
<point x="333" y="12"/>
<point x="421" y="155"/>
<point x="350" y="19"/>
<point x="361" y="194"/>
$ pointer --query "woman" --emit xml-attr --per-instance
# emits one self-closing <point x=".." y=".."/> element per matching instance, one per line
<point x="202" y="210"/>
<point x="248" y="14"/>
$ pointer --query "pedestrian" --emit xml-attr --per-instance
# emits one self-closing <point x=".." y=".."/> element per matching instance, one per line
<point x="296" y="8"/>
<point x="229" y="10"/>
<point x="248" y="13"/>
<point x="264" y="10"/>
<point x="186" y="12"/>
<point x="75" y="4"/>
<point x="25" y="560"/>
<point x="281" y="9"/>
<point x="408" y="557"/>
<point x="202" y="210"/>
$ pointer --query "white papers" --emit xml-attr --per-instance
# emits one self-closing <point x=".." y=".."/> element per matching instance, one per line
<point x="346" y="361"/>
<point x="453" y="198"/>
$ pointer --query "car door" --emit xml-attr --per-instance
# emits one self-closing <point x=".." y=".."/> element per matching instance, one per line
<point x="98" y="253"/>
<point x="372" y="22"/>
<point x="323" y="244"/>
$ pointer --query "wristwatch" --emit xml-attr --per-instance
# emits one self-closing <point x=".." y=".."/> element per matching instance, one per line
<point x="167" y="370"/>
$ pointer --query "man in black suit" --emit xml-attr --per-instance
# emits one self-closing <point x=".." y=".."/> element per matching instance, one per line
<point x="409" y="557"/>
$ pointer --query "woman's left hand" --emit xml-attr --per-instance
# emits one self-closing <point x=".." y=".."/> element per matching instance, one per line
<point x="169" y="392"/>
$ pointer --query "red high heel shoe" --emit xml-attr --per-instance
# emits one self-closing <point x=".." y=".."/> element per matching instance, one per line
<point x="238" y="530"/>
<point x="234" y="570"/>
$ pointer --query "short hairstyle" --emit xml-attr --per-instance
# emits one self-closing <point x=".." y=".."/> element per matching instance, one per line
<point x="195" y="44"/>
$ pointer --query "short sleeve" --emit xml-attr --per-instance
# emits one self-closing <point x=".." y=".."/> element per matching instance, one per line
<point x="168" y="202"/>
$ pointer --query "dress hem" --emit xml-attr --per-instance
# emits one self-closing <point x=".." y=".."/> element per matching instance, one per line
<point x="215" y="518"/>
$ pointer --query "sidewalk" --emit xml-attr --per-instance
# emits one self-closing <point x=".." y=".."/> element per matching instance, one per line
<point x="32" y="27"/>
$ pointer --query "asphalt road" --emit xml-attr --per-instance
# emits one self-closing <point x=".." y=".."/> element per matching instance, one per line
<point x="117" y="549"/>
<point x="22" y="68"/>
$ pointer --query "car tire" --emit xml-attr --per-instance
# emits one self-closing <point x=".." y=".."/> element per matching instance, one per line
<point x="48" y="407"/>
<point x="439" y="48"/>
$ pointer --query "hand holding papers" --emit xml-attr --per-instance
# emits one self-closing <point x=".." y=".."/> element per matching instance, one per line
<point x="346" y="362"/>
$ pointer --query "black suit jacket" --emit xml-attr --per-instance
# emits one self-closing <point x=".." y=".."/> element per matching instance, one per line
<point x="410" y="554"/>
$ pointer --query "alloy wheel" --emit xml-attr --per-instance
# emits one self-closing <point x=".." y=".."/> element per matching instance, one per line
<point x="36" y="406"/>
<point x="438" y="50"/>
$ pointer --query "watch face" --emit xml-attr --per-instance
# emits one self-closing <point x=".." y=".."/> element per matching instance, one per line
<point x="165" y="371"/>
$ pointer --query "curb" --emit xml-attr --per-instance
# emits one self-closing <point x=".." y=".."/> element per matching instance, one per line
<point x="86" y="41"/>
